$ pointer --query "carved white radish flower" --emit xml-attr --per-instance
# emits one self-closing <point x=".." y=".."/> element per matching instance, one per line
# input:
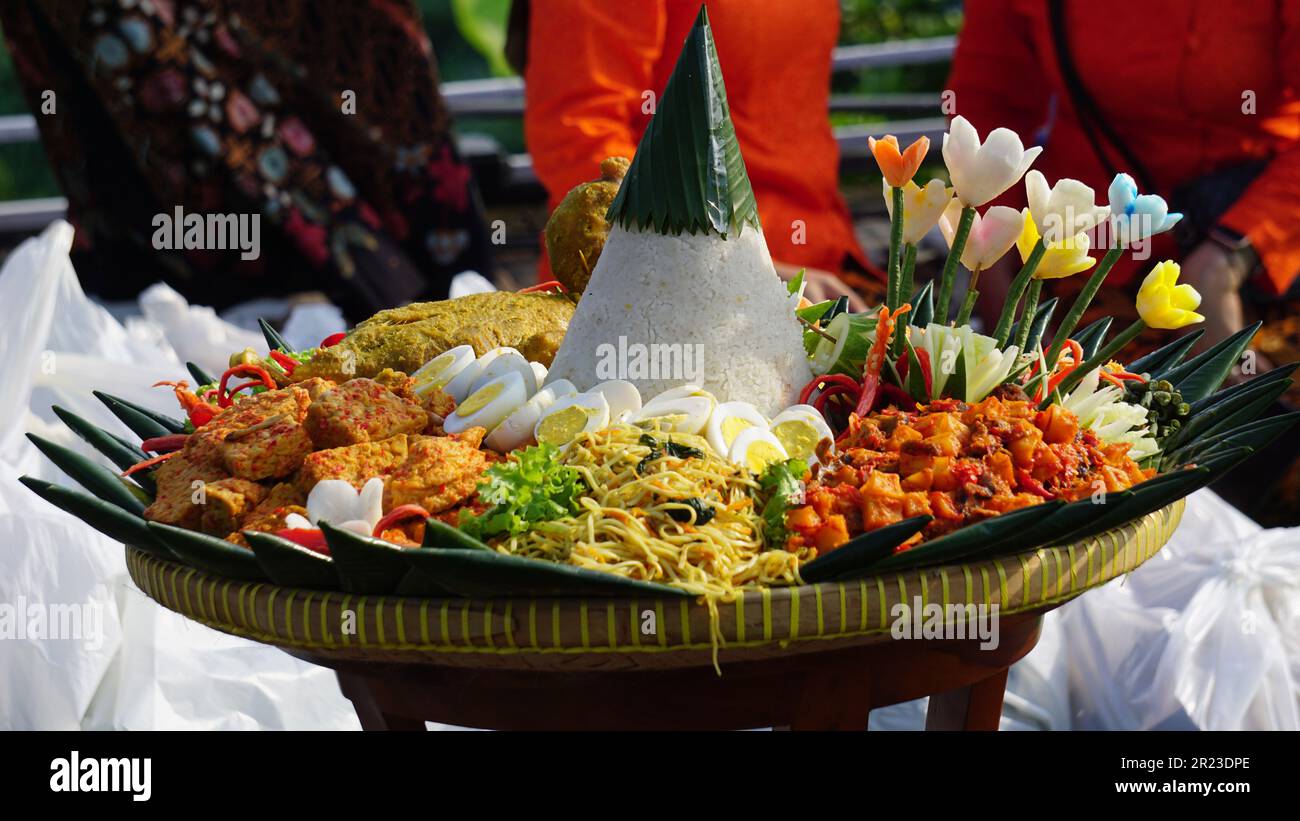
<point x="981" y="172"/>
<point x="339" y="503"/>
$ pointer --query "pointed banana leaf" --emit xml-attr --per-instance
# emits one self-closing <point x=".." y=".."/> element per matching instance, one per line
<point x="143" y="422"/>
<point x="475" y="573"/>
<point x="1228" y="414"/>
<point x="1093" y="337"/>
<point x="420" y="584"/>
<point x="839" y="306"/>
<point x="850" y="560"/>
<point x="116" y="450"/>
<point x="106" y="517"/>
<point x="1257" y="435"/>
<point x="201" y="377"/>
<point x="440" y="534"/>
<point x="976" y="538"/>
<point x="915" y="375"/>
<point x="1051" y="530"/>
<point x="955" y="387"/>
<point x="210" y="554"/>
<point x="365" y="564"/>
<point x="94" y="477"/>
<point x="1215" y="398"/>
<point x="292" y="565"/>
<point x="1202" y="375"/>
<point x="273" y="339"/>
<point x="1042" y="316"/>
<point x="1139" y="500"/>
<point x="1165" y="357"/>
<point x="922" y="305"/>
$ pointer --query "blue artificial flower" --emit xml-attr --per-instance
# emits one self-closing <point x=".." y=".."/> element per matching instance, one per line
<point x="1137" y="216"/>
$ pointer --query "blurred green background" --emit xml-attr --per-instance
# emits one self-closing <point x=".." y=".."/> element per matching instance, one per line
<point x="468" y="35"/>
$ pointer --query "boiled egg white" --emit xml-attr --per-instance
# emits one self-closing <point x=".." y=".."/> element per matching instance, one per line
<point x="799" y="428"/>
<point x="727" y="421"/>
<point x="516" y="430"/>
<point x="682" y="391"/>
<point x="623" y="398"/>
<point x="502" y="362"/>
<point x="489" y="405"/>
<point x="443" y="368"/>
<point x="756" y="448"/>
<point x="571" y="416"/>
<point x="539" y="371"/>
<point x="677" y="414"/>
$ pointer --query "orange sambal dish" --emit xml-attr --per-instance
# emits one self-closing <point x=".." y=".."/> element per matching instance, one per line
<point x="956" y="462"/>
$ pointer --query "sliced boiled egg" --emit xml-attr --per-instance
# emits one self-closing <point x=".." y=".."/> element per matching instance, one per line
<point x="570" y="417"/>
<point x="516" y="430"/>
<point x="727" y="421"/>
<point x="443" y="368"/>
<point x="623" y="398"/>
<point x="799" y="428"/>
<point x="504" y="361"/>
<point x="681" y="391"/>
<point x="756" y="448"/>
<point x="678" y="414"/>
<point x="539" y="371"/>
<point x="489" y="405"/>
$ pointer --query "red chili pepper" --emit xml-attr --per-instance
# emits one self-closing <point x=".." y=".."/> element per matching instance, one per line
<point x="904" y="364"/>
<point x="284" y="361"/>
<point x="198" y="410"/>
<point x="333" y="339"/>
<point x="165" y="444"/>
<point x="541" y="287"/>
<point x="311" y="538"/>
<point x="148" y="463"/>
<point x="1032" y="485"/>
<point x="826" y="380"/>
<point x="399" y="514"/>
<point x="224" y="394"/>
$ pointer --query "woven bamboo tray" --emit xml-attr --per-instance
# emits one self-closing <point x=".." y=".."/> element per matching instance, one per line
<point x="607" y="633"/>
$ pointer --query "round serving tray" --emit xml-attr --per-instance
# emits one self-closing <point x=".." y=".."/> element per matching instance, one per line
<point x="572" y="634"/>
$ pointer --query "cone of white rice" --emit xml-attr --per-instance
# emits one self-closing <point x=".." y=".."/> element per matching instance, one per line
<point x="685" y="291"/>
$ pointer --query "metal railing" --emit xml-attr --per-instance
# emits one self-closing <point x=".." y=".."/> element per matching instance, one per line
<point x="508" y="174"/>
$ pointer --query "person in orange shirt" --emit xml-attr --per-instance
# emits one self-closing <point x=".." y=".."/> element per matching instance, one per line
<point x="594" y="69"/>
<point x="1197" y="101"/>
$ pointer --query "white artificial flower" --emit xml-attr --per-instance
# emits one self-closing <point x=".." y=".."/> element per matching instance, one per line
<point x="1063" y="210"/>
<point x="337" y="502"/>
<point x="980" y="172"/>
<point x="991" y="234"/>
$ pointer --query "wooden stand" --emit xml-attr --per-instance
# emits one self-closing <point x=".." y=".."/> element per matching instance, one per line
<point x="832" y="690"/>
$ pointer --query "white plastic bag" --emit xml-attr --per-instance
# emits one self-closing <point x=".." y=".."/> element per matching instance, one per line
<point x="1205" y="635"/>
<point x="130" y="663"/>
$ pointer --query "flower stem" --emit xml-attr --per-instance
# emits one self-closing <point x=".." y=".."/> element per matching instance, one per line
<point x="1095" y="361"/>
<point x="968" y="304"/>
<point x="950" y="264"/>
<point x="1017" y="290"/>
<point x="893" y="295"/>
<point x="905" y="282"/>
<point x="1027" y="317"/>
<point x="1080" y="305"/>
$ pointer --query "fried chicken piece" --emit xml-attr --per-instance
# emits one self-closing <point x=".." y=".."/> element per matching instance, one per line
<point x="177" y="501"/>
<point x="577" y="230"/>
<point x="361" y="410"/>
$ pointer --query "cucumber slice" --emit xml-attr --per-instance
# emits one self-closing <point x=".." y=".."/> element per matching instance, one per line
<point x="853" y="335"/>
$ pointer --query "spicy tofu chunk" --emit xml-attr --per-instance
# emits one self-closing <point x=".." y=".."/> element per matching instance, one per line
<point x="353" y="463"/>
<point x="226" y="504"/>
<point x="178" y="501"/>
<point x="439" y="473"/>
<point x="259" y="437"/>
<point x="361" y="410"/>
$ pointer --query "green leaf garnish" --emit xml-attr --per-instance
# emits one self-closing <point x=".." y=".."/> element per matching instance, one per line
<point x="533" y="486"/>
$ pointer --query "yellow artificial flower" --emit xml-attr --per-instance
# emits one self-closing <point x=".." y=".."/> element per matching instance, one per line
<point x="1162" y="303"/>
<point x="922" y="207"/>
<point x="1061" y="259"/>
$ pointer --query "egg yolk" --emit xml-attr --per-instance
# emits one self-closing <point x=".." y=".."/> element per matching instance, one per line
<point x="798" y="437"/>
<point x="479" y="398"/>
<point x="732" y="426"/>
<point x="561" y="427"/>
<point x="761" y="454"/>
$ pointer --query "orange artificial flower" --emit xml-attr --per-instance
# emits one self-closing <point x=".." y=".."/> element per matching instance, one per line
<point x="897" y="167"/>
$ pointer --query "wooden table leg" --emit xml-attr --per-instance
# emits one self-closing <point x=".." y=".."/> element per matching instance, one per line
<point x="357" y="690"/>
<point x="834" y="697"/>
<point x="975" y="707"/>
